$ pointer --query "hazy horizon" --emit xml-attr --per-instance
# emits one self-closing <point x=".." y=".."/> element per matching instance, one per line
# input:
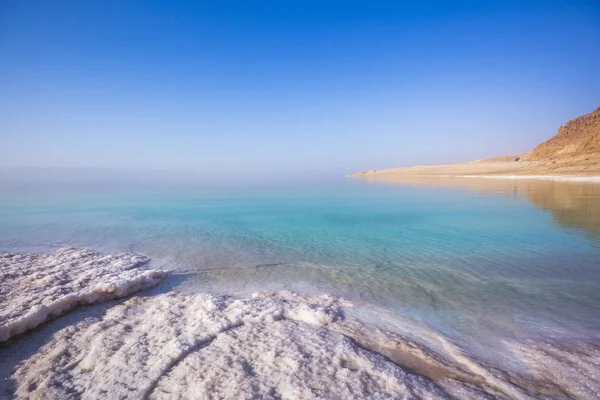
<point x="158" y="176"/>
<point x="303" y="89"/>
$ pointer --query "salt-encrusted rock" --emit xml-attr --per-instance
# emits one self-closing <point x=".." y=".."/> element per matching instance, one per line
<point x="35" y="287"/>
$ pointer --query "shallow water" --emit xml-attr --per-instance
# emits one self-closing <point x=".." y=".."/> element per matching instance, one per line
<point x="481" y="261"/>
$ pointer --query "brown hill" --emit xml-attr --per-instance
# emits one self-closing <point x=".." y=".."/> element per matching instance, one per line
<point x="575" y="150"/>
<point x="578" y="139"/>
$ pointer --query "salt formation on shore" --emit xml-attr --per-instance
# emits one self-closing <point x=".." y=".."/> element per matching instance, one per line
<point x="35" y="287"/>
<point x="208" y="346"/>
<point x="270" y="346"/>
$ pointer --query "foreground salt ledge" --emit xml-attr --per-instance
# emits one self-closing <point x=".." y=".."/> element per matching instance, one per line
<point x="35" y="287"/>
<point x="209" y="346"/>
<point x="270" y="346"/>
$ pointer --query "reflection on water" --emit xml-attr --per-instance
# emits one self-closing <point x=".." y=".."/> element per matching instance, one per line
<point x="574" y="205"/>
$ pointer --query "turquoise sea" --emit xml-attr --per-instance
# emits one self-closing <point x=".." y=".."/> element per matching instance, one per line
<point x="478" y="260"/>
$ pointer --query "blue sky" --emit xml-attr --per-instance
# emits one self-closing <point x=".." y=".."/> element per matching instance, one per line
<point x="291" y="87"/>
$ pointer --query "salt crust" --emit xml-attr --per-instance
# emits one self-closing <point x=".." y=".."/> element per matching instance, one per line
<point x="274" y="346"/>
<point x="271" y="346"/>
<point x="218" y="347"/>
<point x="35" y="287"/>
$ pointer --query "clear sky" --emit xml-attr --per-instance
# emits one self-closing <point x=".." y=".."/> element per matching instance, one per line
<point x="304" y="87"/>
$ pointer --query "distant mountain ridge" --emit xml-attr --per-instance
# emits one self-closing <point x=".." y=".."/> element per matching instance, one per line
<point x="580" y="137"/>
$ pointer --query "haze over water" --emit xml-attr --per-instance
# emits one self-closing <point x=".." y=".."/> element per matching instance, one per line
<point x="475" y="259"/>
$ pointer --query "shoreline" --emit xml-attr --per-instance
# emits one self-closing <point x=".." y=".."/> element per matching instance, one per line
<point x="150" y="342"/>
<point x="558" y="178"/>
<point x="511" y="167"/>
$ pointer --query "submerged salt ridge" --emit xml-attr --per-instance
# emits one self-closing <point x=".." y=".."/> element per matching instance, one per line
<point x="273" y="346"/>
<point x="35" y="287"/>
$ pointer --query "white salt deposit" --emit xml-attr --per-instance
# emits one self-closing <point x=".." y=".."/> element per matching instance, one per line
<point x="574" y="369"/>
<point x="35" y="287"/>
<point x="207" y="346"/>
<point x="271" y="346"/>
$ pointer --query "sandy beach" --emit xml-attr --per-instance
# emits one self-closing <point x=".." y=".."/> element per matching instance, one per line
<point x="501" y="167"/>
<point x="573" y="154"/>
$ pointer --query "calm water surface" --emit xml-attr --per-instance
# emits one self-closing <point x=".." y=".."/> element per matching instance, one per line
<point x="473" y="258"/>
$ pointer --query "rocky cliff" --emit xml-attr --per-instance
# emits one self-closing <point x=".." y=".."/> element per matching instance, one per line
<point x="578" y="139"/>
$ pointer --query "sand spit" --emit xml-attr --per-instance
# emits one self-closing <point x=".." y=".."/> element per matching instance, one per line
<point x="499" y="168"/>
<point x="36" y="287"/>
<point x="572" y="154"/>
<point x="484" y="167"/>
